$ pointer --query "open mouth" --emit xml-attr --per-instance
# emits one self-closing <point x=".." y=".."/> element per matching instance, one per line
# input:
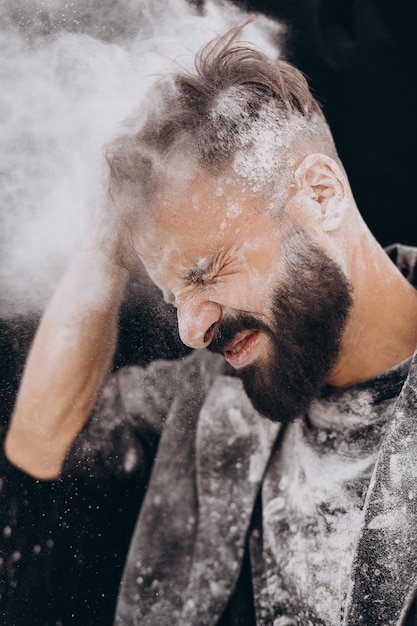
<point x="243" y="349"/>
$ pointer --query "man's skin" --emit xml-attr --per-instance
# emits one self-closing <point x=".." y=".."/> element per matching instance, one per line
<point x="69" y="357"/>
<point x="212" y="255"/>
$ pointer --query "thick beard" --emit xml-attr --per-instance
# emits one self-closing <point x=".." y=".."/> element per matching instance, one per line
<point x="309" y="315"/>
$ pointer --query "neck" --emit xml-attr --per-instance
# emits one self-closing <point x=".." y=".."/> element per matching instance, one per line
<point x="382" y="327"/>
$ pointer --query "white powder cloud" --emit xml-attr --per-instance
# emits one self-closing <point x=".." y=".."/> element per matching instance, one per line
<point x="70" y="72"/>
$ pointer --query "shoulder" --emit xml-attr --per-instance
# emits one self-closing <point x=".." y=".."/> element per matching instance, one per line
<point x="153" y="389"/>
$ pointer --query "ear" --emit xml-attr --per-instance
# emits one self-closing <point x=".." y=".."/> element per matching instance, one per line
<point x="322" y="186"/>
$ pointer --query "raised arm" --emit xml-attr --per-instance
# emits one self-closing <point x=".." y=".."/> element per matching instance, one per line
<point x="70" y="356"/>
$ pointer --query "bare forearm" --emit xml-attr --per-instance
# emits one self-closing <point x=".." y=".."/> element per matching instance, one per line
<point x="69" y="358"/>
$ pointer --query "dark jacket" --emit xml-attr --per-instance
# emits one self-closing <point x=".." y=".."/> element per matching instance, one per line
<point x="185" y="558"/>
<point x="186" y="553"/>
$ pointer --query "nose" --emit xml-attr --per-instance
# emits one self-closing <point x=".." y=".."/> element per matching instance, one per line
<point x="197" y="322"/>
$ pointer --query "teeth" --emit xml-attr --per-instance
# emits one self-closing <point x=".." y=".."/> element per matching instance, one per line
<point x="237" y="347"/>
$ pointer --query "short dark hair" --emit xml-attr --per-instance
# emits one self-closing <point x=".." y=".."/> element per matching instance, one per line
<point x="237" y="108"/>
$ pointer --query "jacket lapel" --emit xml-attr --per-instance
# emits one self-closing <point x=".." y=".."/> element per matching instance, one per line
<point x="233" y="447"/>
<point x="384" y="576"/>
<point x="187" y="549"/>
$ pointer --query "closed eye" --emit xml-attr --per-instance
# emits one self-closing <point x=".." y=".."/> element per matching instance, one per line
<point x="195" y="276"/>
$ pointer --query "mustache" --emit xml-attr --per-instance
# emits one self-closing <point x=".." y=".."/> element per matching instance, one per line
<point x="230" y="327"/>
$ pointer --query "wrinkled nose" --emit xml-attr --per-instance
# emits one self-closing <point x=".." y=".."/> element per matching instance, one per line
<point x="197" y="323"/>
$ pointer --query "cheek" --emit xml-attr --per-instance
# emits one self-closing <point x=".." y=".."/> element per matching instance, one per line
<point x="250" y="293"/>
<point x="260" y="288"/>
<point x="263" y="270"/>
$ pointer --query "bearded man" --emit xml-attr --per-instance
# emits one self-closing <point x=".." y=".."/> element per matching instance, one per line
<point x="283" y="485"/>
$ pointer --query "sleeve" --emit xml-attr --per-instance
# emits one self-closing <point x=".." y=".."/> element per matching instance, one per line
<point x="122" y="434"/>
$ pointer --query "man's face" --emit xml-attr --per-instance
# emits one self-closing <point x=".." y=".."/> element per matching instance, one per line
<point x="255" y="288"/>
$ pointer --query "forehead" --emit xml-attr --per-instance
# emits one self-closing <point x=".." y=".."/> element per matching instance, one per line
<point x="193" y="219"/>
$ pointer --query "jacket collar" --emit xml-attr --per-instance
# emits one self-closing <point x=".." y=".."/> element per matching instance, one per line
<point x="187" y="549"/>
<point x="234" y="445"/>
